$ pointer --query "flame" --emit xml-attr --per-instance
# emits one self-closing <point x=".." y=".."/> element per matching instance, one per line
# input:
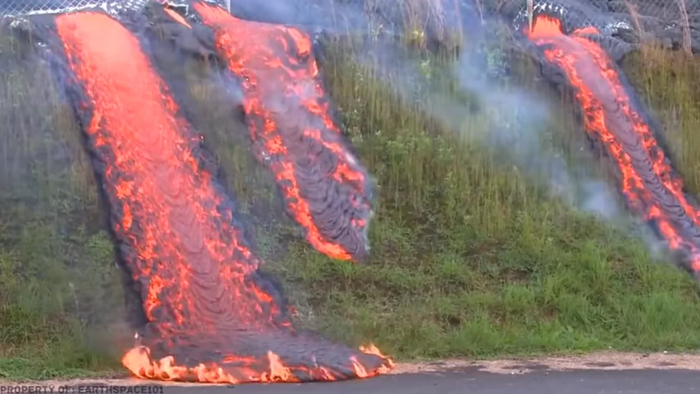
<point x="651" y="187"/>
<point x="212" y="317"/>
<point x="177" y="17"/>
<point x="290" y="122"/>
<point x="141" y="364"/>
<point x="371" y="349"/>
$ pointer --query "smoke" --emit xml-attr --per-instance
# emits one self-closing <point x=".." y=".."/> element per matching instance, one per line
<point x="590" y="194"/>
<point x="521" y="122"/>
<point x="518" y="117"/>
<point x="314" y="15"/>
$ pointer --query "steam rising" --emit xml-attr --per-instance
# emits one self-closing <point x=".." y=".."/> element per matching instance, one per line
<point x="518" y="117"/>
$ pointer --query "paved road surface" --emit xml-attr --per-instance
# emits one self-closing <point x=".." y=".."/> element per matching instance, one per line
<point x="467" y="381"/>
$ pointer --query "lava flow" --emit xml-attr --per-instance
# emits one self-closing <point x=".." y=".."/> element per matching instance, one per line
<point x="649" y="183"/>
<point x="212" y="316"/>
<point x="325" y="188"/>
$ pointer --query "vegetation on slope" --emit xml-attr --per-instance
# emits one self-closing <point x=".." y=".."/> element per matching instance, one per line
<point x="474" y="253"/>
<point x="57" y="273"/>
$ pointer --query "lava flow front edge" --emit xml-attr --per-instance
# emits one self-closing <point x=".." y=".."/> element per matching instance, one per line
<point x="212" y="316"/>
<point x="651" y="187"/>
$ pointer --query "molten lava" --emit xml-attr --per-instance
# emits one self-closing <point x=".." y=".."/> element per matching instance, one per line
<point x="325" y="188"/>
<point x="649" y="183"/>
<point x="212" y="315"/>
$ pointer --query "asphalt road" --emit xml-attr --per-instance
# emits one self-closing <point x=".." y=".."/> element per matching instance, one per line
<point x="467" y="381"/>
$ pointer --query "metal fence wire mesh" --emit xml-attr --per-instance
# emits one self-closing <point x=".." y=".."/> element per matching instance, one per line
<point x="666" y="10"/>
<point x="21" y="7"/>
<point x="669" y="14"/>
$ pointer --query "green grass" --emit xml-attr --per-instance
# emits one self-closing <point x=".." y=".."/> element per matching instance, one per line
<point x="471" y="258"/>
<point x="473" y="255"/>
<point x="58" y="280"/>
<point x="671" y="85"/>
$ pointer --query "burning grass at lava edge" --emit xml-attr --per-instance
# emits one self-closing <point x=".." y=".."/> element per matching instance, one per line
<point x="468" y="257"/>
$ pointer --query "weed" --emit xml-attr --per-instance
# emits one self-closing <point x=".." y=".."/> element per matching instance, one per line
<point x="474" y="253"/>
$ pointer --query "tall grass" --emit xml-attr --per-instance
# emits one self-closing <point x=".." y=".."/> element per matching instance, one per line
<point x="58" y="281"/>
<point x="474" y="250"/>
<point x="670" y="83"/>
<point x="472" y="254"/>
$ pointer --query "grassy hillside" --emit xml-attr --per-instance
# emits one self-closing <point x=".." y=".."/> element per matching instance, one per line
<point x="475" y="253"/>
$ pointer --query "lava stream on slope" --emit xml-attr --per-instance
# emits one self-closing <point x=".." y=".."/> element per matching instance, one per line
<point x="650" y="185"/>
<point x="212" y="316"/>
<point x="325" y="188"/>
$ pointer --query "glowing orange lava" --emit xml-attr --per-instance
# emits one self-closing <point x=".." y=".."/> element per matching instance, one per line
<point x="212" y="315"/>
<point x="648" y="182"/>
<point x="325" y="187"/>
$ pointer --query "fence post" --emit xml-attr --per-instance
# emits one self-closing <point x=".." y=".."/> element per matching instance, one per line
<point x="685" y="26"/>
<point x="228" y="5"/>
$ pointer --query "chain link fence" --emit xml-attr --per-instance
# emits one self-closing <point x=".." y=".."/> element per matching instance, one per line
<point x="677" y="21"/>
<point x="22" y="7"/>
<point x="666" y="10"/>
<point x="674" y="23"/>
<point x="18" y="7"/>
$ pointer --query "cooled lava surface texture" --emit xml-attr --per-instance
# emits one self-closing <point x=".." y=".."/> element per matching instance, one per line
<point x="617" y="120"/>
<point x="211" y="315"/>
<point x="325" y="188"/>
